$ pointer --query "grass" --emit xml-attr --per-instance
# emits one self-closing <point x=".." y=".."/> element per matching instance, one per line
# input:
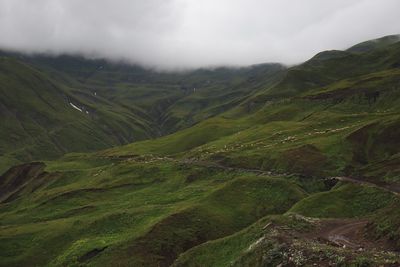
<point x="192" y="195"/>
<point x="229" y="250"/>
<point x="83" y="208"/>
<point x="234" y="206"/>
<point x="386" y="223"/>
<point x="39" y="123"/>
<point x="344" y="201"/>
<point x="124" y="103"/>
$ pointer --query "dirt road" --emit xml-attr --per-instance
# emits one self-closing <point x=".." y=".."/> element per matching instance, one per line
<point x="347" y="234"/>
<point x="392" y="187"/>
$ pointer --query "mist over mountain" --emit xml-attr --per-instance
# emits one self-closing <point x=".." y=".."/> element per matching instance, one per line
<point x="177" y="34"/>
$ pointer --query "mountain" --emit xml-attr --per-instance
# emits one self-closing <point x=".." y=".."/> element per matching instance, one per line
<point x="259" y="166"/>
<point x="375" y="44"/>
<point x="43" y="119"/>
<point x="54" y="105"/>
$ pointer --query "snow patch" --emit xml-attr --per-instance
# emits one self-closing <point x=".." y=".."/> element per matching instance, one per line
<point x="75" y="107"/>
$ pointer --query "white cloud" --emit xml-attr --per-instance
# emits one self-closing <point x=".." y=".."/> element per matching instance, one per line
<point x="193" y="33"/>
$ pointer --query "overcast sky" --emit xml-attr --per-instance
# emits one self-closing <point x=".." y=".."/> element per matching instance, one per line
<point x="194" y="33"/>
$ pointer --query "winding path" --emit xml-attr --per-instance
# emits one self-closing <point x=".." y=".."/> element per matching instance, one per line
<point x="393" y="188"/>
<point x="341" y="232"/>
<point x="390" y="187"/>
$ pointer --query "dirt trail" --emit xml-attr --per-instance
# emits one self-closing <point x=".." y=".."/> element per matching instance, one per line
<point x="390" y="187"/>
<point x="394" y="188"/>
<point x="348" y="234"/>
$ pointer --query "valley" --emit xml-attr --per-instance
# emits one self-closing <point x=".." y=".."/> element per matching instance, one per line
<point x="267" y="165"/>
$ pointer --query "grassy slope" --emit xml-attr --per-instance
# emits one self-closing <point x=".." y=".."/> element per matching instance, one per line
<point x="39" y="123"/>
<point x="386" y="223"/>
<point x="364" y="133"/>
<point x="244" y="248"/>
<point x="351" y="128"/>
<point x="165" y="195"/>
<point x="345" y="201"/>
<point x="78" y="208"/>
<point x="321" y="131"/>
<point x="231" y="250"/>
<point x="125" y="103"/>
<point x="174" y="100"/>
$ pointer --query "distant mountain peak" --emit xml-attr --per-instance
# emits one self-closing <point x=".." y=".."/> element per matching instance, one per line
<point x="375" y="43"/>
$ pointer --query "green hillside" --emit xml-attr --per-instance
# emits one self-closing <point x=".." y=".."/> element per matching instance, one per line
<point x="69" y="104"/>
<point x="43" y="119"/>
<point x="259" y="166"/>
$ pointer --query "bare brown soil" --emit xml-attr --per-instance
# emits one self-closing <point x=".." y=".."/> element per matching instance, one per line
<point x="350" y="234"/>
<point x="332" y="242"/>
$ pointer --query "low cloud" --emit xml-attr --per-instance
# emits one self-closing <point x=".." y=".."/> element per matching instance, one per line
<point x="190" y="33"/>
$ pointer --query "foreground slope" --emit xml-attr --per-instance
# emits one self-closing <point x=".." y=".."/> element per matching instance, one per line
<point x="77" y="213"/>
<point x="253" y="186"/>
